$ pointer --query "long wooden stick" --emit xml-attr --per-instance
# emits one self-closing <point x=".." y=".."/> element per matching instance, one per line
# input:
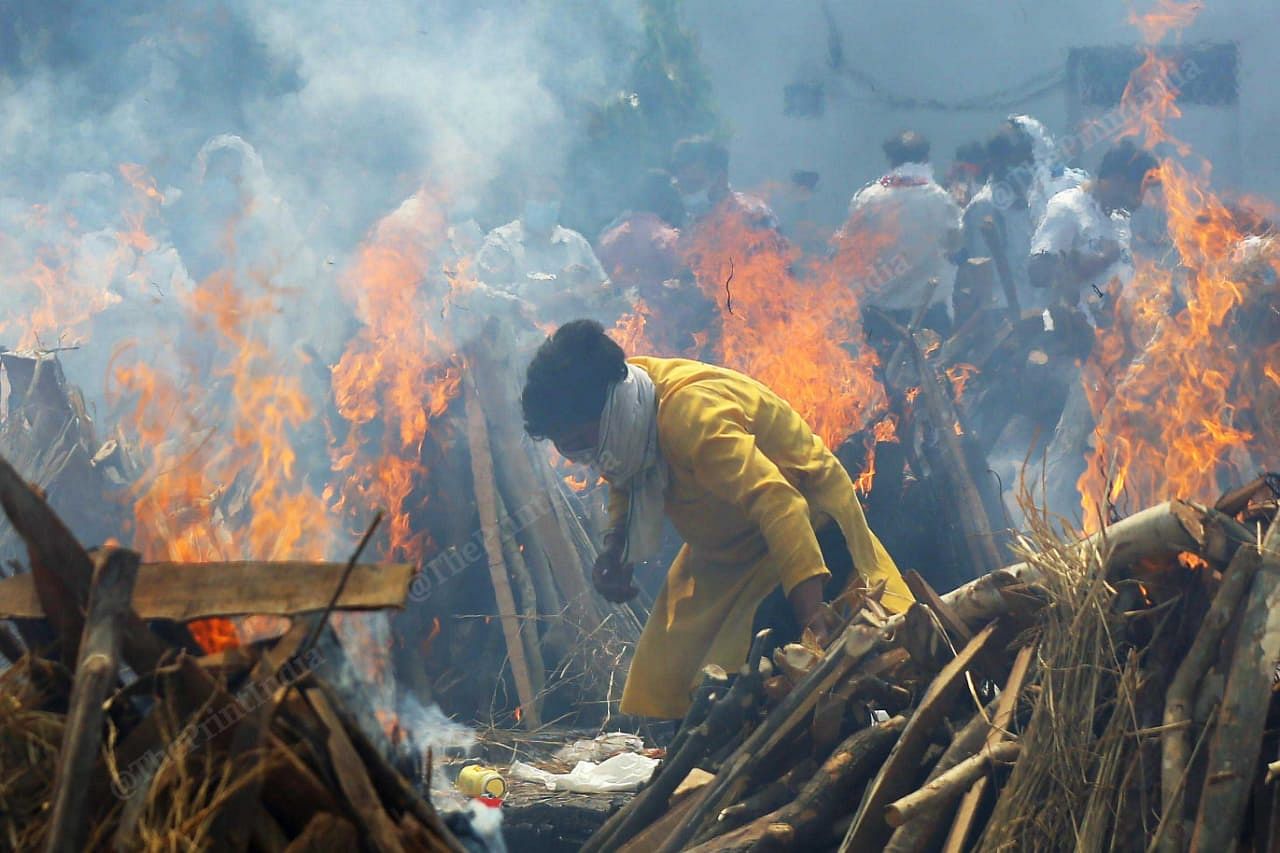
<point x="845" y="654"/>
<point x="950" y="783"/>
<point x="486" y="504"/>
<point x="997" y="249"/>
<point x="115" y="571"/>
<point x="868" y="830"/>
<point x="1176" y="739"/>
<point x="1234" y="749"/>
<point x="1008" y="705"/>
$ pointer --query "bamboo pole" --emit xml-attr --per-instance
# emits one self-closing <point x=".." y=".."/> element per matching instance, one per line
<point x="114" y="573"/>
<point x="486" y="504"/>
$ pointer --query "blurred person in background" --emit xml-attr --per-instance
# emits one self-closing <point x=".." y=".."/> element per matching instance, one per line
<point x="700" y="168"/>
<point x="551" y="268"/>
<point x="916" y="223"/>
<point x="640" y="250"/>
<point x="1002" y="201"/>
<point x="1081" y="250"/>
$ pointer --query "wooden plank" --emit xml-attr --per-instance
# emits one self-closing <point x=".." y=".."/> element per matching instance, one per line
<point x="897" y="776"/>
<point x="114" y="574"/>
<point x="353" y="778"/>
<point x="925" y="594"/>
<point x="51" y="546"/>
<point x="182" y="592"/>
<point x="486" y="503"/>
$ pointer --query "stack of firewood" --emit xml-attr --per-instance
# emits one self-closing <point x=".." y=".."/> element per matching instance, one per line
<point x="118" y="731"/>
<point x="1110" y="692"/>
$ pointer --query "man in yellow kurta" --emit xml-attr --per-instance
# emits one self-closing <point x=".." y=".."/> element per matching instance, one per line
<point x="743" y="479"/>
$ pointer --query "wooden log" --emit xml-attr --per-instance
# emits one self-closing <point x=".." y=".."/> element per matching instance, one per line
<point x="725" y="718"/>
<point x="770" y="798"/>
<point x="530" y="601"/>
<point x="353" y="778"/>
<point x="1005" y="709"/>
<point x="392" y="787"/>
<point x="842" y="657"/>
<point x="1176" y="738"/>
<point x="832" y="788"/>
<point x="1234" y="748"/>
<point x="1162" y="530"/>
<point x="486" y="503"/>
<point x="326" y="833"/>
<point x="112" y="584"/>
<point x="51" y="546"/>
<point x="925" y="594"/>
<point x="959" y="495"/>
<point x="187" y="591"/>
<point x="996" y="246"/>
<point x="950" y="784"/>
<point x="897" y="775"/>
<point x="494" y="376"/>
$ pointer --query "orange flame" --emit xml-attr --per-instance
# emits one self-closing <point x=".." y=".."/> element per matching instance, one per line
<point x="793" y="325"/>
<point x="397" y="374"/>
<point x="959" y="374"/>
<point x="1169" y="423"/>
<point x="60" y="284"/>
<point x="220" y="480"/>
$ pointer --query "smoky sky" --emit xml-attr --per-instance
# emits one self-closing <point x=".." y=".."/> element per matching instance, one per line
<point x="351" y="106"/>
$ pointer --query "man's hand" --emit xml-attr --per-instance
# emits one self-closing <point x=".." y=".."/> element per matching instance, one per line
<point x="611" y="576"/>
<point x="1091" y="262"/>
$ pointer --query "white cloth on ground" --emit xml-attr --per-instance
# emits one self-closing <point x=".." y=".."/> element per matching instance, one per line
<point x="626" y="771"/>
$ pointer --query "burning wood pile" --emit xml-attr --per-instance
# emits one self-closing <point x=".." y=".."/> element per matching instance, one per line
<point x="1112" y="693"/>
<point x="117" y="730"/>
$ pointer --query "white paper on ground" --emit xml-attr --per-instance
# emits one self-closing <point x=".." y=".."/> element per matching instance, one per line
<point x="626" y="771"/>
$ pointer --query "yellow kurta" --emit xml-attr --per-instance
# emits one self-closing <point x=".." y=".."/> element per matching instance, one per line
<point x="749" y="482"/>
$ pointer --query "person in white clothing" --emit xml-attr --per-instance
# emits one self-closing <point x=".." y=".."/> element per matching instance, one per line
<point x="551" y="268"/>
<point x="923" y="222"/>
<point x="1025" y="173"/>
<point x="1081" y="250"/>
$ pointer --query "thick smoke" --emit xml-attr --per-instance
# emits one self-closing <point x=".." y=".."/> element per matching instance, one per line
<point x="277" y="133"/>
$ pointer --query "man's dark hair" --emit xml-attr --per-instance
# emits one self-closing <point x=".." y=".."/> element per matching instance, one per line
<point x="701" y="150"/>
<point x="1009" y="146"/>
<point x="569" y="378"/>
<point x="658" y="195"/>
<point x="906" y="147"/>
<point x="1127" y="162"/>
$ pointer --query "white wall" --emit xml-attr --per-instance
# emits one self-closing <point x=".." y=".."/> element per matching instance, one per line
<point x="950" y="50"/>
